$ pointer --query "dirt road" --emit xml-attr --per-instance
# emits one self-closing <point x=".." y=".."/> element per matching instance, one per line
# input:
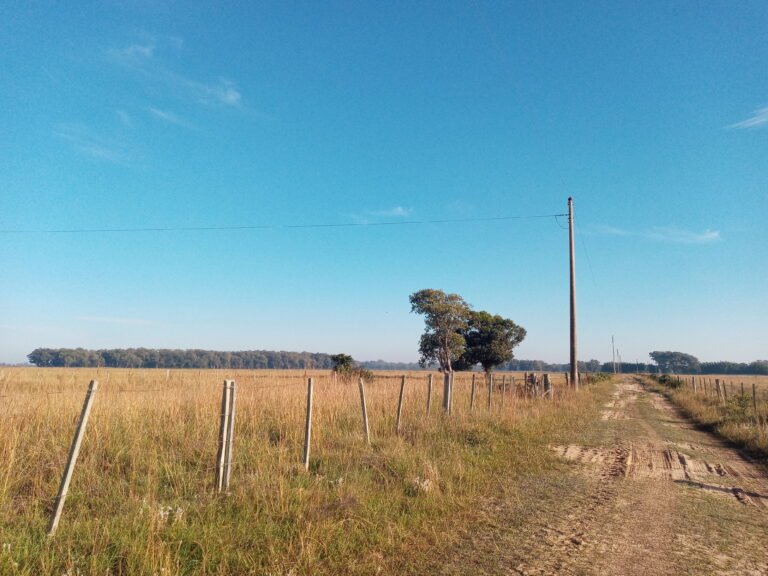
<point x="642" y="492"/>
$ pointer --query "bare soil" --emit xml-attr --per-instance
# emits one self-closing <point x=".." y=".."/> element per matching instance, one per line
<point x="644" y="492"/>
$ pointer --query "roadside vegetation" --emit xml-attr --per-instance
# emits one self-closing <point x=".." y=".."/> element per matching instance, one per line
<point x="735" y="415"/>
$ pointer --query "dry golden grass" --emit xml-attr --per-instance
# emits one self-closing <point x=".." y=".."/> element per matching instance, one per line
<point x="741" y="416"/>
<point x="141" y="501"/>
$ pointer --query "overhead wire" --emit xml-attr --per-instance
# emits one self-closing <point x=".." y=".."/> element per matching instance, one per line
<point x="150" y="229"/>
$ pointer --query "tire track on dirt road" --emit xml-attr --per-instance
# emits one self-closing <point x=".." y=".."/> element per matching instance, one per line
<point x="658" y="497"/>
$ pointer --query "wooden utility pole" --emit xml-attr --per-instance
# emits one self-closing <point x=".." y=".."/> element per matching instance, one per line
<point x="574" y="357"/>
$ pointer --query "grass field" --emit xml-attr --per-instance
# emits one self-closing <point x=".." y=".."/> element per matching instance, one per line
<point x="141" y="501"/>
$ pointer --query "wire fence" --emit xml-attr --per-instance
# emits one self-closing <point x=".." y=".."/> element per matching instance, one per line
<point x="166" y="428"/>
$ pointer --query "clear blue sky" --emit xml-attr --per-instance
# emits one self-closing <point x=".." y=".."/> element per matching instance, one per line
<point x="652" y="115"/>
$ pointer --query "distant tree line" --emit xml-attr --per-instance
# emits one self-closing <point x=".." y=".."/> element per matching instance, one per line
<point x="249" y="359"/>
<point x="151" y="358"/>
<point x="682" y="363"/>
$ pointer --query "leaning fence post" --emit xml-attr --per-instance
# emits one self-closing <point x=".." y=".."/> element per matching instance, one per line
<point x="72" y="459"/>
<point x="366" y="431"/>
<point x="400" y="405"/>
<point x="308" y="425"/>
<point x="472" y="394"/>
<point x="429" y="393"/>
<point x="490" y="388"/>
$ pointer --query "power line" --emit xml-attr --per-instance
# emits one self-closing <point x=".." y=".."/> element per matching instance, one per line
<point x="276" y="226"/>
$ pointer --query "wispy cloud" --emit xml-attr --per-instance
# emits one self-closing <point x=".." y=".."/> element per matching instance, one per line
<point x="125" y="118"/>
<point x="759" y="118"/>
<point x="371" y="216"/>
<point x="681" y="236"/>
<point x="670" y="234"/>
<point x="137" y="50"/>
<point x="114" y="320"/>
<point x="394" y="212"/>
<point x="143" y="59"/>
<point x="92" y="145"/>
<point x="169" y="117"/>
<point x="224" y="92"/>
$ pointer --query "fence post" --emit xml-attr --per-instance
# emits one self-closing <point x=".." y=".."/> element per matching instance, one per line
<point x="223" y="454"/>
<point x="446" y="390"/>
<point x="742" y="389"/>
<point x="230" y="435"/>
<point x="490" y="388"/>
<point x="363" y="407"/>
<point x="429" y="394"/>
<point x="400" y="405"/>
<point x="503" y="389"/>
<point x="754" y="400"/>
<point x="308" y="425"/>
<point x="472" y="394"/>
<point x="547" y="386"/>
<point x="74" y="451"/>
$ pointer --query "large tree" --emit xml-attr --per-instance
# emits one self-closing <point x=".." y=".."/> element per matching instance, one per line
<point x="446" y="317"/>
<point x="490" y="340"/>
<point x="675" y="362"/>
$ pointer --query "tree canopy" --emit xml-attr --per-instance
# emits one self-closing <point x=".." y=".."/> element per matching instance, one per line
<point x="446" y="317"/>
<point x="676" y="362"/>
<point x="458" y="337"/>
<point x="490" y="340"/>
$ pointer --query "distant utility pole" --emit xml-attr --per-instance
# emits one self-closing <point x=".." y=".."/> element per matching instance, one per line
<point x="613" y="349"/>
<point x="574" y="358"/>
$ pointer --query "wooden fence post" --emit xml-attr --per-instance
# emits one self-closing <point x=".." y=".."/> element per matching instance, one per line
<point x="472" y="394"/>
<point x="490" y="388"/>
<point x="548" y="386"/>
<point x="230" y="435"/>
<point x="503" y="389"/>
<point x="754" y="400"/>
<point x="226" y="434"/>
<point x="308" y="425"/>
<point x="364" y="408"/>
<point x="74" y="451"/>
<point x="400" y="406"/>
<point x="429" y="394"/>
<point x="446" y="390"/>
<point x="221" y="452"/>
